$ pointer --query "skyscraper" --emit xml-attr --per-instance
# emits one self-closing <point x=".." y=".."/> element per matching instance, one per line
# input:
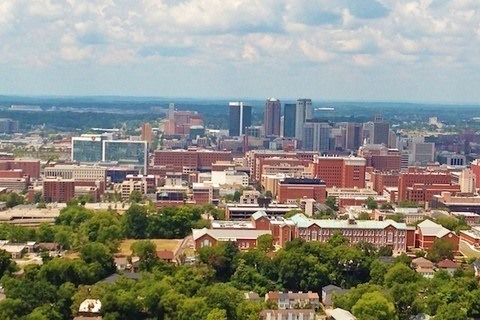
<point x="303" y="113"/>
<point x="271" y="119"/>
<point x="354" y="135"/>
<point x="289" y="120"/>
<point x="240" y="118"/>
<point x="316" y="136"/>
<point x="381" y="132"/>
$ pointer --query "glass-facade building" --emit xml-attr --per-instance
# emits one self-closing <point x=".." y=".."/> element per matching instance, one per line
<point x="126" y="152"/>
<point x="240" y="118"/>
<point x="87" y="149"/>
<point x="289" y="120"/>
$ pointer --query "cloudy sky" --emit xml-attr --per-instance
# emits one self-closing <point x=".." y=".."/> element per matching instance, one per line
<point x="426" y="50"/>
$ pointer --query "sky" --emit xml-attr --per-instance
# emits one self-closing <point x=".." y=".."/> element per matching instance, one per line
<point x="366" y="50"/>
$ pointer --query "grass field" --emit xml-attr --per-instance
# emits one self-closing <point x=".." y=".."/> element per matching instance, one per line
<point x="162" y="244"/>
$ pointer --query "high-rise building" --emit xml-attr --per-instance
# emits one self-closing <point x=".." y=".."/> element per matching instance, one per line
<point x="87" y="148"/>
<point x="421" y="152"/>
<point x="354" y="135"/>
<point x="126" y="152"/>
<point x="467" y="181"/>
<point x="8" y="126"/>
<point x="289" y="120"/>
<point x="147" y="133"/>
<point x="381" y="133"/>
<point x="240" y="118"/>
<point x="271" y="119"/>
<point x="316" y="136"/>
<point x="303" y="112"/>
<point x="346" y="172"/>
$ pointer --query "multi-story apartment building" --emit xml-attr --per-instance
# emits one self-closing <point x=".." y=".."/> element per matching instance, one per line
<point x="341" y="172"/>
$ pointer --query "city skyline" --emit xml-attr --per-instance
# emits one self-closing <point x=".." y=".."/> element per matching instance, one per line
<point x="342" y="51"/>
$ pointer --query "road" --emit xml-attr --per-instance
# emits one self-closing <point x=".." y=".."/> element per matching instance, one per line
<point x="468" y="250"/>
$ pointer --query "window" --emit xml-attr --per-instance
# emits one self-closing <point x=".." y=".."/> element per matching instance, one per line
<point x="390" y="236"/>
<point x="314" y="235"/>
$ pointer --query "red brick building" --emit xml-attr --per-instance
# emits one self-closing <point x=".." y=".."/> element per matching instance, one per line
<point x="415" y="176"/>
<point x="292" y="189"/>
<point x="192" y="158"/>
<point x="429" y="231"/>
<point x="29" y="167"/>
<point x="340" y="172"/>
<point x="58" y="190"/>
<point x="245" y="239"/>
<point x="422" y="193"/>
<point x="475" y="166"/>
<point x="380" y="180"/>
<point x="381" y="158"/>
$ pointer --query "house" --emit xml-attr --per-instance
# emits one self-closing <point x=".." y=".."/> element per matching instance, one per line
<point x="292" y="314"/>
<point x="327" y="292"/>
<point x="166" y="255"/>
<point x="339" y="314"/>
<point x="16" y="250"/>
<point x="87" y="318"/>
<point x="90" y="307"/>
<point x="424" y="267"/>
<point x="252" y="296"/>
<point x="475" y="266"/>
<point x="121" y="262"/>
<point x="294" y="300"/>
<point x="245" y="239"/>
<point x="428" y="231"/>
<point x="447" y="265"/>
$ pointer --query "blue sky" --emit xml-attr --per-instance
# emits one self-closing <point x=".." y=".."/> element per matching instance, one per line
<point x="394" y="50"/>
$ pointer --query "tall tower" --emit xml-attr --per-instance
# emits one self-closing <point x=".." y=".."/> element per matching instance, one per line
<point x="289" y="120"/>
<point x="271" y="119"/>
<point x="240" y="118"/>
<point x="302" y="114"/>
<point x="171" y="109"/>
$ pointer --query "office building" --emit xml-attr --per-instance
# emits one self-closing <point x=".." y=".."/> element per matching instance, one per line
<point x="87" y="148"/>
<point x="316" y="136"/>
<point x="340" y="172"/>
<point x="291" y="190"/>
<point x="421" y="152"/>
<point x="354" y="136"/>
<point x="381" y="158"/>
<point x="30" y="168"/>
<point x="289" y="120"/>
<point x="421" y="178"/>
<point x="58" y="190"/>
<point x="381" y="133"/>
<point x="147" y="133"/>
<point x="198" y="159"/>
<point x="303" y="112"/>
<point x="8" y="126"/>
<point x="126" y="152"/>
<point x="240" y="118"/>
<point x="271" y="118"/>
<point x="467" y="181"/>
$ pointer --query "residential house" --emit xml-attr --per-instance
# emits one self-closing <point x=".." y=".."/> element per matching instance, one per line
<point x="424" y="267"/>
<point x="327" y="293"/>
<point x="294" y="300"/>
<point x="165" y="255"/>
<point x="290" y="314"/>
<point x="339" y="314"/>
<point x="447" y="265"/>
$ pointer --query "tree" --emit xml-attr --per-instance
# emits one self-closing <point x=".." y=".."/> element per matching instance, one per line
<point x="331" y="202"/>
<point x="147" y="252"/>
<point x="364" y="216"/>
<point x="6" y="263"/>
<point x="385" y="251"/>
<point x="98" y="253"/>
<point x="217" y="314"/>
<point x="337" y="239"/>
<point x="136" y="196"/>
<point x="451" y="311"/>
<point x="400" y="274"/>
<point x="371" y="204"/>
<point x="135" y="222"/>
<point x="265" y="243"/>
<point x="441" y="249"/>
<point x="374" y="306"/>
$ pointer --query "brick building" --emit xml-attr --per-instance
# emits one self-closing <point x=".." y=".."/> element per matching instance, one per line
<point x="381" y="158"/>
<point x="429" y="231"/>
<point x="291" y="189"/>
<point x="29" y="167"/>
<point x="192" y="158"/>
<point x="416" y="176"/>
<point x="340" y="172"/>
<point x="380" y="180"/>
<point x="58" y="190"/>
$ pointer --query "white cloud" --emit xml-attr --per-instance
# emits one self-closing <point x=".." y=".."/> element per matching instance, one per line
<point x="283" y="34"/>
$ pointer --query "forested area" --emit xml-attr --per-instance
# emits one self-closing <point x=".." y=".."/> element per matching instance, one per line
<point x="212" y="288"/>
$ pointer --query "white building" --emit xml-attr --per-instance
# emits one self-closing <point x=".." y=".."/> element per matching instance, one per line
<point x="229" y="177"/>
